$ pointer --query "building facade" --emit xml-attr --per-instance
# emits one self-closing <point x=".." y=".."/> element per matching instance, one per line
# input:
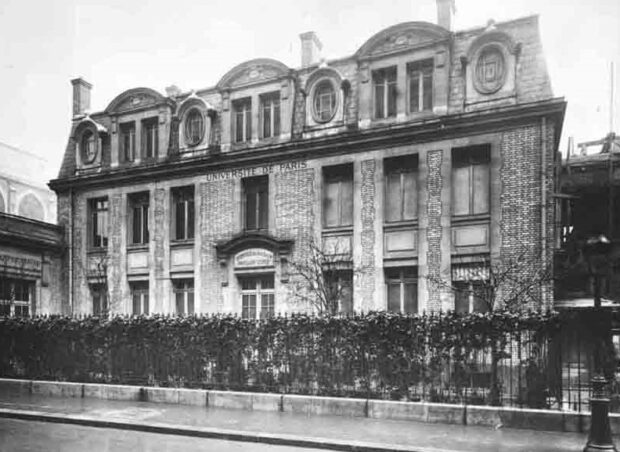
<point x="425" y="153"/>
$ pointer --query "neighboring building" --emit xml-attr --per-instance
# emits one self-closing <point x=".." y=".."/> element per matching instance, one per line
<point x="423" y="154"/>
<point x="23" y="189"/>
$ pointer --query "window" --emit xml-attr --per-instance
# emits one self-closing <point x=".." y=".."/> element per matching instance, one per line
<point x="183" y="205"/>
<point x="256" y="200"/>
<point x="324" y="102"/>
<point x="140" y="297"/>
<point x="470" y="181"/>
<point x="402" y="289"/>
<point x="149" y="138"/>
<point x="16" y="297"/>
<point x="257" y="297"/>
<point x="128" y="141"/>
<point x="270" y="115"/>
<point x="194" y="127"/>
<point x="470" y="285"/>
<point x="98" y="222"/>
<point x="490" y="70"/>
<point x="338" y="196"/>
<point x="184" y="296"/>
<point x="100" y="299"/>
<point x="420" y="76"/>
<point x="139" y="218"/>
<point x="88" y="147"/>
<point x="401" y="188"/>
<point x="243" y="120"/>
<point x="384" y="83"/>
<point x="340" y="287"/>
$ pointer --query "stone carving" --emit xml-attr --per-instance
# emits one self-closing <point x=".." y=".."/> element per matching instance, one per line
<point x="489" y="70"/>
<point x="398" y="41"/>
<point x="136" y="101"/>
<point x="254" y="74"/>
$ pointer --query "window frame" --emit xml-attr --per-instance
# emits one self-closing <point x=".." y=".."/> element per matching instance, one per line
<point x="416" y="69"/>
<point x="139" y="202"/>
<point x="95" y="222"/>
<point x="272" y="103"/>
<point x="184" y="196"/>
<point x="188" y="126"/>
<point x="256" y="186"/>
<point x="185" y="288"/>
<point x="402" y="165"/>
<point x="258" y="290"/>
<point x="471" y="158"/>
<point x="150" y="135"/>
<point x="100" y="302"/>
<point x="340" y="174"/>
<point x="242" y="108"/>
<point x="88" y="146"/>
<point x="140" y="297"/>
<point x="127" y="136"/>
<point x="317" y="114"/>
<point x="381" y="78"/>
<point x="17" y="307"/>
<point x="402" y="279"/>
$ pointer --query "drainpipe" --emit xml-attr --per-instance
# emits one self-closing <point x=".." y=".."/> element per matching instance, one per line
<point x="543" y="198"/>
<point x="71" y="209"/>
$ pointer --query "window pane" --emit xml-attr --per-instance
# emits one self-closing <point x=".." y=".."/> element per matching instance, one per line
<point x="137" y="218"/>
<point x="248" y="123"/>
<point x="393" y="200"/>
<point x="136" y="303"/>
<point x="180" y="220"/>
<point x="267" y="120"/>
<point x="146" y="303"/>
<point x="428" y="91"/>
<point x="481" y="302"/>
<point x="276" y="119"/>
<point x="410" y="192"/>
<point x="330" y="204"/>
<point x="250" y="210"/>
<point x="190" y="302"/>
<point x="190" y="218"/>
<point x="267" y="283"/>
<point x="379" y="100"/>
<point x="346" y="192"/>
<point x="414" y="92"/>
<point x="239" y="127"/>
<point x="248" y="309"/>
<point x="267" y="306"/>
<point x="393" y="294"/>
<point x="411" y="298"/>
<point x="392" y="99"/>
<point x="481" y="188"/>
<point x="180" y="302"/>
<point x="263" y="209"/>
<point x="460" y="190"/>
<point x="145" y="224"/>
<point x="346" y="293"/>
<point x="461" y="297"/>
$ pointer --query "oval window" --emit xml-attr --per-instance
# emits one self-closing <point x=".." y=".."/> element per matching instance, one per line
<point x="324" y="107"/>
<point x="88" y="147"/>
<point x="490" y="70"/>
<point x="194" y="127"/>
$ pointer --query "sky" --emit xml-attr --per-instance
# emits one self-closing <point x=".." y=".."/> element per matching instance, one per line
<point x="120" y="44"/>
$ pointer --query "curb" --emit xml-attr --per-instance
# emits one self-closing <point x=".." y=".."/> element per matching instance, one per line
<point x="214" y="433"/>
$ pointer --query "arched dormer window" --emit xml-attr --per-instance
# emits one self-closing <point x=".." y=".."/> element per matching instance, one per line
<point x="324" y="101"/>
<point x="194" y="127"/>
<point x="325" y="92"/>
<point x="89" y="137"/>
<point x="88" y="146"/>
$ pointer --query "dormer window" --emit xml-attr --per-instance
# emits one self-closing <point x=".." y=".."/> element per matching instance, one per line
<point x="270" y="115"/>
<point x="384" y="83"/>
<point x="149" y="138"/>
<point x="128" y="141"/>
<point x="420" y="74"/>
<point x="243" y="120"/>
<point x="324" y="101"/>
<point x="194" y="127"/>
<point x="88" y="147"/>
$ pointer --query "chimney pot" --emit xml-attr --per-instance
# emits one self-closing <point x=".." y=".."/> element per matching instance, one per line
<point x="445" y="13"/>
<point x="310" y="48"/>
<point x="81" y="96"/>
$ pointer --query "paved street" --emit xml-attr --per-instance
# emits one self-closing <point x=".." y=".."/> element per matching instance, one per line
<point x="32" y="436"/>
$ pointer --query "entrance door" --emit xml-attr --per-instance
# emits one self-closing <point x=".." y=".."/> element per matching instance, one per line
<point x="257" y="297"/>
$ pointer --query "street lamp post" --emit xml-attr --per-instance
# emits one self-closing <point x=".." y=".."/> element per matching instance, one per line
<point x="599" y="437"/>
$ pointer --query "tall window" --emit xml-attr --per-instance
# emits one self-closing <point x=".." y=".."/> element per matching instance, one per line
<point x="128" y="141"/>
<point x="16" y="297"/>
<point x="184" y="296"/>
<point x="470" y="282"/>
<point x="338" y="196"/>
<point x="139" y="218"/>
<point x="183" y="205"/>
<point x="324" y="102"/>
<point x="340" y="288"/>
<point x="194" y="127"/>
<point x="401" y="188"/>
<point x="470" y="180"/>
<point x="256" y="199"/>
<point x="98" y="222"/>
<point x="384" y="82"/>
<point x="140" y="297"/>
<point x="100" y="299"/>
<point x="270" y="115"/>
<point x="88" y="146"/>
<point x="257" y="297"/>
<point x="149" y="138"/>
<point x="402" y="289"/>
<point x="243" y="120"/>
<point x="420" y="76"/>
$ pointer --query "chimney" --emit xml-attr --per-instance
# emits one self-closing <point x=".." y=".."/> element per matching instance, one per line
<point x="173" y="91"/>
<point x="445" y="13"/>
<point x="310" y="49"/>
<point x="81" y="96"/>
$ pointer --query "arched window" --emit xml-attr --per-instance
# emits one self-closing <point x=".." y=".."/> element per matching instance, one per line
<point x="324" y="101"/>
<point x="194" y="127"/>
<point x="88" y="147"/>
<point x="31" y="207"/>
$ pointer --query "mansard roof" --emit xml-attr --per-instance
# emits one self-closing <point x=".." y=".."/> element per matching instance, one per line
<point x="403" y="35"/>
<point x="253" y="71"/>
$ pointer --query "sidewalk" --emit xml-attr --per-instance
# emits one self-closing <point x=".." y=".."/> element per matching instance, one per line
<point x="329" y="432"/>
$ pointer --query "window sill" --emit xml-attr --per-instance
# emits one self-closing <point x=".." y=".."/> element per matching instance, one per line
<point x="400" y="224"/>
<point x="97" y="250"/>
<point x="138" y="247"/>
<point x="336" y="230"/>
<point x="184" y="243"/>
<point x="484" y="218"/>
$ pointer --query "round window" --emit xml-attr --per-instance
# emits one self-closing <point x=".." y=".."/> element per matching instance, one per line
<point x="194" y="127"/>
<point x="324" y="102"/>
<point x="88" y="147"/>
<point x="490" y="72"/>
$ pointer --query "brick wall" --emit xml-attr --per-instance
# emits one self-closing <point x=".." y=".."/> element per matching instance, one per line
<point x="434" y="230"/>
<point x="366" y="273"/>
